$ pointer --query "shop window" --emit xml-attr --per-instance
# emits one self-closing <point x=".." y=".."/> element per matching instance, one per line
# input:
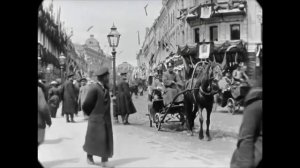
<point x="196" y="35"/>
<point x="213" y="33"/>
<point x="235" y="32"/>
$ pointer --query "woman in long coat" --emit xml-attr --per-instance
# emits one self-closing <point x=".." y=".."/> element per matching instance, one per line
<point x="99" y="135"/>
<point x="125" y="106"/>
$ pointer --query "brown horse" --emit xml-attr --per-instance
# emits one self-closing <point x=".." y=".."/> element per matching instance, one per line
<point x="204" y="85"/>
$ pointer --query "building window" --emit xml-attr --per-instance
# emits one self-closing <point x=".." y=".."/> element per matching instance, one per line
<point x="213" y="33"/>
<point x="196" y="35"/>
<point x="235" y="32"/>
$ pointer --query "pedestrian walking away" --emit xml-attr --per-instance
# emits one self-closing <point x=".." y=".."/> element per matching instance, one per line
<point x="82" y="94"/>
<point x="69" y="99"/>
<point x="53" y="98"/>
<point x="99" y="135"/>
<point x="125" y="106"/>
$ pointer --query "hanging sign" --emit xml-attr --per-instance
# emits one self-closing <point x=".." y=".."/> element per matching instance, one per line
<point x="205" y="12"/>
<point x="204" y="51"/>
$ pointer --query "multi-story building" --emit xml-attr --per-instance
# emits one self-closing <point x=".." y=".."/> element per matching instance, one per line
<point x="188" y="22"/>
<point x="92" y="53"/>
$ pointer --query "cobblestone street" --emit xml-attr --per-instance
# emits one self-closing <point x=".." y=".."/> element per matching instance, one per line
<point x="138" y="145"/>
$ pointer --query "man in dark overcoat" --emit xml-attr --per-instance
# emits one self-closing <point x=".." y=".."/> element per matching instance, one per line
<point x="69" y="99"/>
<point x="99" y="135"/>
<point x="125" y="106"/>
<point x="248" y="153"/>
<point x="172" y="83"/>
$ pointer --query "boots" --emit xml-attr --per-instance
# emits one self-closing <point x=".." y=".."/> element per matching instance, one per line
<point x="67" y="117"/>
<point x="72" y="118"/>
<point x="126" y="119"/>
<point x="90" y="159"/>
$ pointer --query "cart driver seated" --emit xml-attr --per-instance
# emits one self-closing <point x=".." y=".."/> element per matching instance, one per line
<point x="156" y="84"/>
<point x="172" y="84"/>
<point x="226" y="82"/>
<point x="239" y="74"/>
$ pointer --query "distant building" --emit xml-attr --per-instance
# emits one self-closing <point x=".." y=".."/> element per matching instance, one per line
<point x="191" y="22"/>
<point x="94" y="56"/>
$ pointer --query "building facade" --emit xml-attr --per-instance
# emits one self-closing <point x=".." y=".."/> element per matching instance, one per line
<point x="190" y="22"/>
<point x="94" y="56"/>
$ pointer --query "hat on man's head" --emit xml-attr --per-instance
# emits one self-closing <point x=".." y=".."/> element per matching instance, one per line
<point x="70" y="75"/>
<point x="170" y="64"/>
<point x="53" y="83"/>
<point x="123" y="72"/>
<point x="83" y="79"/>
<point x="102" y="71"/>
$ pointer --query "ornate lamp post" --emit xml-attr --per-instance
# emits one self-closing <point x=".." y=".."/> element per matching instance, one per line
<point x="113" y="40"/>
<point x="62" y="63"/>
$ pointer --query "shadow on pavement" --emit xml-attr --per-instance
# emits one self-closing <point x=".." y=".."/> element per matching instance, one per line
<point x="123" y="161"/>
<point x="58" y="162"/>
<point x="55" y="141"/>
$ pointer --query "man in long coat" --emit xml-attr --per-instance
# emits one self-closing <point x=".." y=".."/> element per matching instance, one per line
<point x="172" y="82"/>
<point x="69" y="99"/>
<point x="99" y="135"/>
<point x="125" y="106"/>
<point x="82" y="94"/>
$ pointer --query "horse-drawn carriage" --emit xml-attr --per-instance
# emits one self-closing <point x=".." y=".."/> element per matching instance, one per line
<point x="158" y="111"/>
<point x="203" y="67"/>
<point x="233" y="96"/>
<point x="234" y="55"/>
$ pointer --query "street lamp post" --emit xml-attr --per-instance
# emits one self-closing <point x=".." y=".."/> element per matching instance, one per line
<point x="113" y="40"/>
<point x="62" y="63"/>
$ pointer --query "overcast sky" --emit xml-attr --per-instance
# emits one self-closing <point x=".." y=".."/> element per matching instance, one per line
<point x="127" y="15"/>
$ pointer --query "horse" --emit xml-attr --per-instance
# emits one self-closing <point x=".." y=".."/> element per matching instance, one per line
<point x="202" y="94"/>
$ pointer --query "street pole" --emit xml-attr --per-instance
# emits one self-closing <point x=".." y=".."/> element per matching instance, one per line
<point x="114" y="83"/>
<point x="61" y="73"/>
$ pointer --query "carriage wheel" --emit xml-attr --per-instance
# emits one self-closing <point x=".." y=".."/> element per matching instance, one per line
<point x="237" y="107"/>
<point x="160" y="121"/>
<point x="156" y="119"/>
<point x="231" y="105"/>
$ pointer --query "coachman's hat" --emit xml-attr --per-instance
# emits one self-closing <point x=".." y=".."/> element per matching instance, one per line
<point x="102" y="71"/>
<point x="123" y="72"/>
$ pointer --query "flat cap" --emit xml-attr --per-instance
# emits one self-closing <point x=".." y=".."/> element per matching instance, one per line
<point x="82" y="79"/>
<point x="102" y="71"/>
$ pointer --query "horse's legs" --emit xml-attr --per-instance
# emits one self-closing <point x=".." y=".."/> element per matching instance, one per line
<point x="188" y="112"/>
<point x="201" y="124"/>
<point x="208" y="112"/>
